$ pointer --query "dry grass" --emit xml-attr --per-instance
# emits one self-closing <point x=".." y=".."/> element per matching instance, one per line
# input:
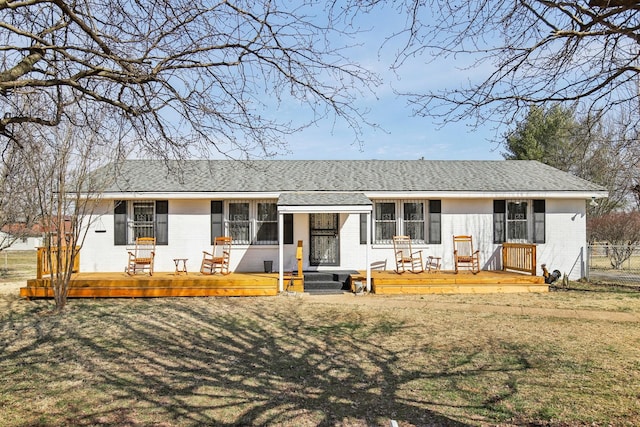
<point x="604" y="263"/>
<point x="15" y="268"/>
<point x="563" y="358"/>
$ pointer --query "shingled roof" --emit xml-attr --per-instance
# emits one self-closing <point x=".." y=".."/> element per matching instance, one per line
<point x="193" y="176"/>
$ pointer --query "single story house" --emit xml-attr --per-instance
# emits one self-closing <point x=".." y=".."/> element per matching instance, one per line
<point x="21" y="237"/>
<point x="344" y="211"/>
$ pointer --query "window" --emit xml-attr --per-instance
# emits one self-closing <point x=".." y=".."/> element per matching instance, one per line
<point x="239" y="225"/>
<point x="385" y="222"/>
<point x="255" y="222"/>
<point x="519" y="221"/>
<point x="141" y="218"/>
<point x="414" y="220"/>
<point x="267" y="224"/>
<point x="418" y="223"/>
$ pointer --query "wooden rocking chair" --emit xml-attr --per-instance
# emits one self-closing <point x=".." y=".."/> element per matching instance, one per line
<point x="406" y="259"/>
<point x="142" y="257"/>
<point x="218" y="259"/>
<point x="464" y="255"/>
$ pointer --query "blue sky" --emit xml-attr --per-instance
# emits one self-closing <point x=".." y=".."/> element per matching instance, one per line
<point x="401" y="134"/>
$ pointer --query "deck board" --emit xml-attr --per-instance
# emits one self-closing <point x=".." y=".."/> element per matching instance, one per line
<point x="389" y="282"/>
<point x="120" y="285"/>
<point x="113" y="285"/>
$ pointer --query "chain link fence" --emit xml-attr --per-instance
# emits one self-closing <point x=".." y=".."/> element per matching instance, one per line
<point x="614" y="264"/>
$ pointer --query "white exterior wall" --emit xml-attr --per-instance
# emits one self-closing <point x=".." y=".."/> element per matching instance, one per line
<point x="473" y="217"/>
<point x="98" y="253"/>
<point x="566" y="241"/>
<point x="564" y="248"/>
<point x="189" y="235"/>
<point x="456" y="220"/>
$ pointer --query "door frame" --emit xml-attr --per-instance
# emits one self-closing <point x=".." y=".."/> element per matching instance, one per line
<point x="336" y="241"/>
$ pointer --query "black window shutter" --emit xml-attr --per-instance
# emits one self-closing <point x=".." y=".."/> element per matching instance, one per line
<point x="288" y="229"/>
<point x="435" y="221"/>
<point x="217" y="220"/>
<point x="539" y="209"/>
<point x="499" y="220"/>
<point x="363" y="228"/>
<point x="162" y="222"/>
<point x="120" y="222"/>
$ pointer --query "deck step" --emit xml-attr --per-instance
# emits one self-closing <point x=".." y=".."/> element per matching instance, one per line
<point x="324" y="287"/>
<point x="326" y="282"/>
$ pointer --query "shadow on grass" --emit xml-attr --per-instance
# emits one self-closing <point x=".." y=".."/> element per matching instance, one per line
<point x="218" y="362"/>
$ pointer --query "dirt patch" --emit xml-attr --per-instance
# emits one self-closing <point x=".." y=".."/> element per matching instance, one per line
<point x="11" y="288"/>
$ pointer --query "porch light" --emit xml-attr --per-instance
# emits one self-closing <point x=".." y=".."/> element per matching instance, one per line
<point x="593" y="202"/>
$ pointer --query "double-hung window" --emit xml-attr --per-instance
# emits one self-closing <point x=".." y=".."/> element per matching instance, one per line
<point x="413" y="220"/>
<point x="267" y="223"/>
<point x="385" y="222"/>
<point x="418" y="219"/>
<point x="239" y="223"/>
<point x="248" y="222"/>
<point x="519" y="221"/>
<point x="141" y="218"/>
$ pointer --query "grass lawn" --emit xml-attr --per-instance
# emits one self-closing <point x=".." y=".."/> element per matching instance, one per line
<point x="560" y="359"/>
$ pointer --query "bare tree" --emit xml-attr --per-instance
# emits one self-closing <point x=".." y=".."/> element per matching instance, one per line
<point x="620" y="231"/>
<point x="186" y="75"/>
<point x="19" y="212"/>
<point x="593" y="148"/>
<point x="519" y="53"/>
<point x="60" y="161"/>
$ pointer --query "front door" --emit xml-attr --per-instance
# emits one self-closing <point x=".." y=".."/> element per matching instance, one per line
<point x="323" y="242"/>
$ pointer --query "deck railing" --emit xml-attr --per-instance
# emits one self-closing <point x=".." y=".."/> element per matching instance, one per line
<point x="46" y="265"/>
<point x="519" y="257"/>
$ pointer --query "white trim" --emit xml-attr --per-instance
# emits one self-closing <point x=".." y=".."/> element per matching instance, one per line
<point x="368" y="253"/>
<point x="327" y="209"/>
<point x="212" y="195"/>
<point x="586" y="195"/>
<point x="280" y="252"/>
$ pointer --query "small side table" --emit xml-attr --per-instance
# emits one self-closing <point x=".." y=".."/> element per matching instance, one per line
<point x="433" y="264"/>
<point x="177" y="262"/>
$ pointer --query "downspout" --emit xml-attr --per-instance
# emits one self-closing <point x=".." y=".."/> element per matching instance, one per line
<point x="280" y="252"/>
<point x="368" y="255"/>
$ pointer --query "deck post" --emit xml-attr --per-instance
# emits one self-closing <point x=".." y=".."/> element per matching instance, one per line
<point x="368" y="254"/>
<point x="280" y="252"/>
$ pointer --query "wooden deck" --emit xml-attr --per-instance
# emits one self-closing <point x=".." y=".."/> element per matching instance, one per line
<point x="120" y="285"/>
<point x="449" y="282"/>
